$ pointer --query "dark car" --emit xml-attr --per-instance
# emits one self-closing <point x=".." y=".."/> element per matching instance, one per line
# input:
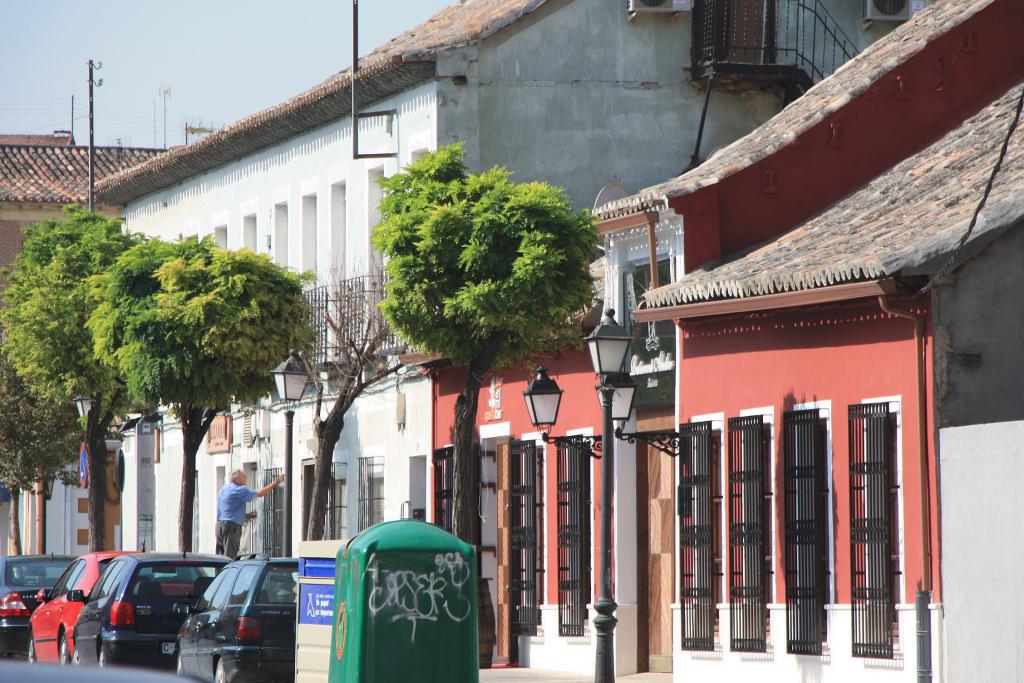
<point x="243" y="627"/>
<point x="21" y="579"/>
<point x="136" y="607"/>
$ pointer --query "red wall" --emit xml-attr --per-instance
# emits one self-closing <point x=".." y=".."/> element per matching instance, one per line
<point x="580" y="409"/>
<point x="845" y="354"/>
<point x="954" y="77"/>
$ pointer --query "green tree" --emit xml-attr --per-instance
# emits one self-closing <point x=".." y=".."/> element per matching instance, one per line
<point x="48" y="302"/>
<point x="483" y="271"/>
<point x="38" y="440"/>
<point x="197" y="327"/>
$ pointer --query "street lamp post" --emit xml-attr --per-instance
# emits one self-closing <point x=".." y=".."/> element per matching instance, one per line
<point x="609" y="345"/>
<point x="291" y="378"/>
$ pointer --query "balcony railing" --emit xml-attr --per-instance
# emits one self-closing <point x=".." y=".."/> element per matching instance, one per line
<point x="347" y="319"/>
<point x="792" y="41"/>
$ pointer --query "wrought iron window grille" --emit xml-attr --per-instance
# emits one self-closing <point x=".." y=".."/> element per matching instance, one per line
<point x="700" y="562"/>
<point x="590" y="444"/>
<point x="874" y="527"/>
<point x="805" y="505"/>
<point x="750" y="520"/>
<point x="273" y="516"/>
<point x="525" y="490"/>
<point x="574" y="556"/>
<point x="444" y="487"/>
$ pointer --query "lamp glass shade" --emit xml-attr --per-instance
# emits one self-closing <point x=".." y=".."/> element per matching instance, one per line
<point x="609" y="345"/>
<point x="83" y="404"/>
<point x="622" y="398"/>
<point x="291" y="377"/>
<point x="543" y="398"/>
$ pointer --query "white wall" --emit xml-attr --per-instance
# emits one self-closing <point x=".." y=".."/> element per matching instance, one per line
<point x="981" y="470"/>
<point x="315" y="164"/>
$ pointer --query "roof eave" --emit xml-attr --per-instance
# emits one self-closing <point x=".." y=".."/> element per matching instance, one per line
<point x="177" y="165"/>
<point x="767" y="302"/>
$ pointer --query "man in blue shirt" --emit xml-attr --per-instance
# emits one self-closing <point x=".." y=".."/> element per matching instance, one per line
<point x="231" y="502"/>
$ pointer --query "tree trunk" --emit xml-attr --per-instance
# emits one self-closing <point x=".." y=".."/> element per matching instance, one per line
<point x="195" y="423"/>
<point x="328" y="433"/>
<point x="96" y="440"/>
<point x="466" y="507"/>
<point x="15" y="521"/>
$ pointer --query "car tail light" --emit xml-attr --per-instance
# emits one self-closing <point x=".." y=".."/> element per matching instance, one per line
<point x="13" y="606"/>
<point x="122" y="613"/>
<point x="248" y="628"/>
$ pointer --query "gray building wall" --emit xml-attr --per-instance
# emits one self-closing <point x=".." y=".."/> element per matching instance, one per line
<point x="979" y="334"/>
<point x="979" y="337"/>
<point x="578" y="95"/>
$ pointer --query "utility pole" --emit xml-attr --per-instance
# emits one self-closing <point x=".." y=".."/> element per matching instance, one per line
<point x="165" y="92"/>
<point x="93" y="66"/>
<point x="72" y="128"/>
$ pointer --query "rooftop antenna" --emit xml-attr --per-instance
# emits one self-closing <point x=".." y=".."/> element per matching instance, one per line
<point x="165" y="94"/>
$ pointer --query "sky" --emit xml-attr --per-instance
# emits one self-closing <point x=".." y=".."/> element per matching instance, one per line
<point x="220" y="59"/>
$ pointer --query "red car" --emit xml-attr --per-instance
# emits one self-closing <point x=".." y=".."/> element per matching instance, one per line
<point x="52" y="626"/>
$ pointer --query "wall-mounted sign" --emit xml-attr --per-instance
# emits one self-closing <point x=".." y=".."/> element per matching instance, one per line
<point x="652" y="364"/>
<point x="316" y="604"/>
<point x="218" y="438"/>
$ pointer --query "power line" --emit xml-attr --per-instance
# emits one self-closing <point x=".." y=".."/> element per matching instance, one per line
<point x="984" y="197"/>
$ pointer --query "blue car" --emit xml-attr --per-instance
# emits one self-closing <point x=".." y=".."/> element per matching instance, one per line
<point x="243" y="627"/>
<point x="21" y="579"/>
<point x="136" y="607"/>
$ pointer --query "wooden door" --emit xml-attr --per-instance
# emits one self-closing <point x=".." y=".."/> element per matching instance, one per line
<point x="503" y="651"/>
<point x="655" y="550"/>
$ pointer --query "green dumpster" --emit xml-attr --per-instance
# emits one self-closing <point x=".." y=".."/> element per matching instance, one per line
<point x="405" y="607"/>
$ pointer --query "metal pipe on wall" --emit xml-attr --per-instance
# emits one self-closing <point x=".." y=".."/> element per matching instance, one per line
<point x="924" y="593"/>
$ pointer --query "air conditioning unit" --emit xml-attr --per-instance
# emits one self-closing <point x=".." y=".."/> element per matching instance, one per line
<point x="659" y="5"/>
<point x="892" y="10"/>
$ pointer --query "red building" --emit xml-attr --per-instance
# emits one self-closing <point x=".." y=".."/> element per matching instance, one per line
<point x="820" y="253"/>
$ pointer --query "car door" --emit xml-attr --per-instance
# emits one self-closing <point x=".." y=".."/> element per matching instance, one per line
<point x="224" y="629"/>
<point x="189" y="633"/>
<point x="46" y="618"/>
<point x="207" y="621"/>
<point x="90" y="619"/>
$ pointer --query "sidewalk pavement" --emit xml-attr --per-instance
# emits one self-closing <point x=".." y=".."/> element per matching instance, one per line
<point x="537" y="676"/>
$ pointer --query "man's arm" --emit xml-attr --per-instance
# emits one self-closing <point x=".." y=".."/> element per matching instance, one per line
<point x="270" y="487"/>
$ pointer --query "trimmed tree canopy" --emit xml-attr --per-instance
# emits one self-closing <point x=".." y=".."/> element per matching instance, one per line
<point x="189" y="323"/>
<point x="473" y="257"/>
<point x="49" y="301"/>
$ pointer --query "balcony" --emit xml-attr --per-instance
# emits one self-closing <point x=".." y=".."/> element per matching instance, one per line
<point x="794" y="43"/>
<point x="348" y="322"/>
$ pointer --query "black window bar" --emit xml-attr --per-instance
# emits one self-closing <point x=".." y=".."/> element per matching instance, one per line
<point x="273" y="515"/>
<point x="444" y="487"/>
<point x="700" y="560"/>
<point x="874" y="513"/>
<point x="804" y="449"/>
<point x="750" y="518"/>
<point x="574" y="576"/>
<point x="337" y="513"/>
<point x="371" y="491"/>
<point x="524" y="568"/>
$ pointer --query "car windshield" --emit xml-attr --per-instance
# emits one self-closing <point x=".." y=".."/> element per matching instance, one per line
<point x="169" y="579"/>
<point x="278" y="585"/>
<point x="24" y="574"/>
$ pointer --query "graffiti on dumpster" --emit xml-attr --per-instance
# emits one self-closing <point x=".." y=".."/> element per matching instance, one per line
<point x="415" y="596"/>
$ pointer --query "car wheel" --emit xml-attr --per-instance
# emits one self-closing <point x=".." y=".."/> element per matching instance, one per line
<point x="31" y="656"/>
<point x="76" y="659"/>
<point x="101" y="656"/>
<point x="179" y="668"/>
<point x="220" y="676"/>
<point x="62" y="650"/>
